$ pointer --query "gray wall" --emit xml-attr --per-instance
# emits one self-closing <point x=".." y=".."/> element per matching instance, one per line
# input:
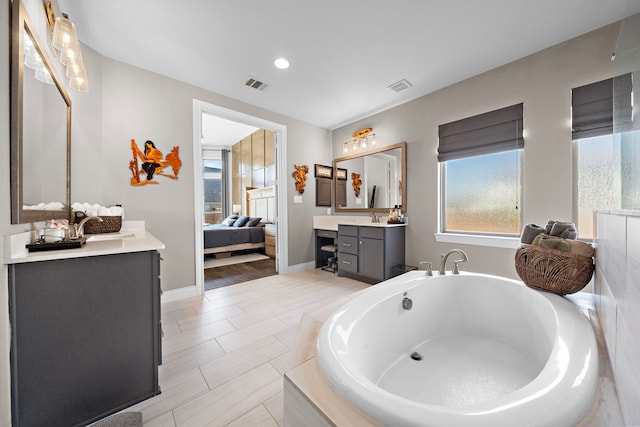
<point x="126" y="102"/>
<point x="543" y="81"/>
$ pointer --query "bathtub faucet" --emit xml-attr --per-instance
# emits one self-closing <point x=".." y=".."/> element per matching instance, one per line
<point x="444" y="257"/>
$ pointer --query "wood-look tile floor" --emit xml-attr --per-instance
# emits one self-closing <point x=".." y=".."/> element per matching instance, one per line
<point x="224" y="353"/>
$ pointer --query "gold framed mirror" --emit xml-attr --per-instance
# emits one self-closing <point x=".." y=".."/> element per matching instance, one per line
<point x="375" y="180"/>
<point x="40" y="128"/>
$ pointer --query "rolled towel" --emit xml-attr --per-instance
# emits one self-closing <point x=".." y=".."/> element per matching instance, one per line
<point x="558" y="227"/>
<point x="536" y="240"/>
<point x="569" y="233"/>
<point x="549" y="226"/>
<point x="102" y="211"/>
<point x="529" y="232"/>
<point x="553" y="242"/>
<point x="581" y="248"/>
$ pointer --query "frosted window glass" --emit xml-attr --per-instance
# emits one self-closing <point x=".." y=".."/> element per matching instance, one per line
<point x="608" y="177"/>
<point x="482" y="194"/>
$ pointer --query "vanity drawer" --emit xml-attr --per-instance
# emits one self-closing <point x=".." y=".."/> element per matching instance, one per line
<point x="372" y="232"/>
<point x="327" y="233"/>
<point x="348" y="263"/>
<point x="348" y="230"/>
<point x="348" y="244"/>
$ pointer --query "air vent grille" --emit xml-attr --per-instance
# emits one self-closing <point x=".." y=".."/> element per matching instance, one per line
<point x="254" y="83"/>
<point x="400" y="86"/>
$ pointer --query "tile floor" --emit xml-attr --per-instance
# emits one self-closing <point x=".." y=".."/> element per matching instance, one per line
<point x="224" y="353"/>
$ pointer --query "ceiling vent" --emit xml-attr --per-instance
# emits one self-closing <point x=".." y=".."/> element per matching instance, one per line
<point x="400" y="86"/>
<point x="254" y="83"/>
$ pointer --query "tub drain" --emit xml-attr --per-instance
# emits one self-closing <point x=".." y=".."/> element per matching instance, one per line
<point x="416" y="356"/>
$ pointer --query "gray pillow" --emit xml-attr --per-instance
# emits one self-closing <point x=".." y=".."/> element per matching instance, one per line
<point x="241" y="221"/>
<point x="253" y="221"/>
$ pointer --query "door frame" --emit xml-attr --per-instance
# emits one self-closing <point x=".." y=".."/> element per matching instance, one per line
<point x="280" y="130"/>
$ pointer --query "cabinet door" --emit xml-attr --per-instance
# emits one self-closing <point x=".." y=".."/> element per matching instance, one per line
<point x="371" y="258"/>
<point x="85" y="339"/>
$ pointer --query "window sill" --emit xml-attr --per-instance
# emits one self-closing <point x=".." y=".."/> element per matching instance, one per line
<point x="479" y="240"/>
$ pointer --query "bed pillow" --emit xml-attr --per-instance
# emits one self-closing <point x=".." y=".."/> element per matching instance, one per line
<point x="228" y="221"/>
<point x="253" y="221"/>
<point x="241" y="221"/>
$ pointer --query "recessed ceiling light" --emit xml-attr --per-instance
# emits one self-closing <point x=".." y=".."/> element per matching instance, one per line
<point x="281" y="63"/>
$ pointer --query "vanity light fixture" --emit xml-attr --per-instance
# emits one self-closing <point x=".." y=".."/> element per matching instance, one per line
<point x="67" y="47"/>
<point x="362" y="140"/>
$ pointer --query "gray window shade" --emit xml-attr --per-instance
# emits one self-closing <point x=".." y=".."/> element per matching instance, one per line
<point x="592" y="107"/>
<point x="488" y="133"/>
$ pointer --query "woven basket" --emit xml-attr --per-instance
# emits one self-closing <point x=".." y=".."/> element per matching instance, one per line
<point x="552" y="270"/>
<point x="109" y="224"/>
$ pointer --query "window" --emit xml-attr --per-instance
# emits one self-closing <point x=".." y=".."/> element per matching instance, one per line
<point x="480" y="163"/>
<point x="607" y="176"/>
<point x="482" y="194"/>
<point x="607" y="149"/>
<point x="214" y="185"/>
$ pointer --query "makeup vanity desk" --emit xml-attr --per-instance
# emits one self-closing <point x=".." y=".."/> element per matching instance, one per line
<point x="367" y="251"/>
<point x="85" y="322"/>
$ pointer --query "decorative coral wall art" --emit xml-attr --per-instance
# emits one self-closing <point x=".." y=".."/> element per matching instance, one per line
<point x="356" y="182"/>
<point x="300" y="175"/>
<point x="152" y="163"/>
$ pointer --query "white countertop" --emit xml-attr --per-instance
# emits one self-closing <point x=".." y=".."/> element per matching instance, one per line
<point x="131" y="238"/>
<point x="331" y="222"/>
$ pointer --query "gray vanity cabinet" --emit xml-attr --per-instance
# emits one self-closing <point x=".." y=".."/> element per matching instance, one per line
<point x="85" y="339"/>
<point x="369" y="253"/>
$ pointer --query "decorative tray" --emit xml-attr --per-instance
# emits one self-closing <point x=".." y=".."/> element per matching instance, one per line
<point x="62" y="244"/>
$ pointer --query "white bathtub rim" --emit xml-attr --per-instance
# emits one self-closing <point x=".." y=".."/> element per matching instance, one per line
<point x="553" y="390"/>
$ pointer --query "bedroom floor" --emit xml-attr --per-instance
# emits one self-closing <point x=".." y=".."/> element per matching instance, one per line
<point x="237" y="273"/>
<point x="224" y="353"/>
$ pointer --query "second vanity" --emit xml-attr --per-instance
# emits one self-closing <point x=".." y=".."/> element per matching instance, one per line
<point x="367" y="251"/>
<point x="86" y="332"/>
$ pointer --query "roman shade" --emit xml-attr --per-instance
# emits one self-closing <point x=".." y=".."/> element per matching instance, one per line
<point x="592" y="107"/>
<point x="488" y="133"/>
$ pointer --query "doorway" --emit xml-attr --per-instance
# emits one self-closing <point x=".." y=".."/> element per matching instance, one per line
<point x="203" y="110"/>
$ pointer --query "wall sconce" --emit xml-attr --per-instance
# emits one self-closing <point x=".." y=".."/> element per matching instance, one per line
<point x="362" y="140"/>
<point x="66" y="45"/>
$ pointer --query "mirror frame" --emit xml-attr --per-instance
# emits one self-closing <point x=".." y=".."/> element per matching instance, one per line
<point x="403" y="155"/>
<point x="20" y="22"/>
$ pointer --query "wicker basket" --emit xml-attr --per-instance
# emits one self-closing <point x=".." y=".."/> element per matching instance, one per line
<point x="552" y="270"/>
<point x="109" y="224"/>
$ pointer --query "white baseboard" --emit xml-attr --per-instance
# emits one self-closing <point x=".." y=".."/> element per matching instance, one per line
<point x="178" y="294"/>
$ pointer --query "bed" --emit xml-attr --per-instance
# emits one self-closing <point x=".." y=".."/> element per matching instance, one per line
<point x="240" y="232"/>
<point x="228" y="238"/>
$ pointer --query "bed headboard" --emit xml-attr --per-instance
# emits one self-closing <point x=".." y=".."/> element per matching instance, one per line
<point x="261" y="202"/>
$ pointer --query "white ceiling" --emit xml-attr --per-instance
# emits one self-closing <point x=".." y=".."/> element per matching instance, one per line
<point x="344" y="53"/>
<point x="218" y="132"/>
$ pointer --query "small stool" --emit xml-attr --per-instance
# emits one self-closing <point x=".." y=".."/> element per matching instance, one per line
<point x="332" y="262"/>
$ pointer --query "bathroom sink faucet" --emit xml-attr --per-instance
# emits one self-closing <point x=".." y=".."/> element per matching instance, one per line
<point x="80" y="229"/>
<point x="374" y="217"/>
<point x="444" y="257"/>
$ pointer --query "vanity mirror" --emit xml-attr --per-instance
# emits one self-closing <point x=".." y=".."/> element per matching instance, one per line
<point x="40" y="128"/>
<point x="375" y="180"/>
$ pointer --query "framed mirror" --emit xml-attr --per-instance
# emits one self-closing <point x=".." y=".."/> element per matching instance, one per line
<point x="40" y="128"/>
<point x="375" y="180"/>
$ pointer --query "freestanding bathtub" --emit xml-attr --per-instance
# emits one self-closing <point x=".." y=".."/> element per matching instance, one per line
<point x="461" y="350"/>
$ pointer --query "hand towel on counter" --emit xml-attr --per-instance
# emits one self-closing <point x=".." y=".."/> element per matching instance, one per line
<point x="529" y="233"/>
